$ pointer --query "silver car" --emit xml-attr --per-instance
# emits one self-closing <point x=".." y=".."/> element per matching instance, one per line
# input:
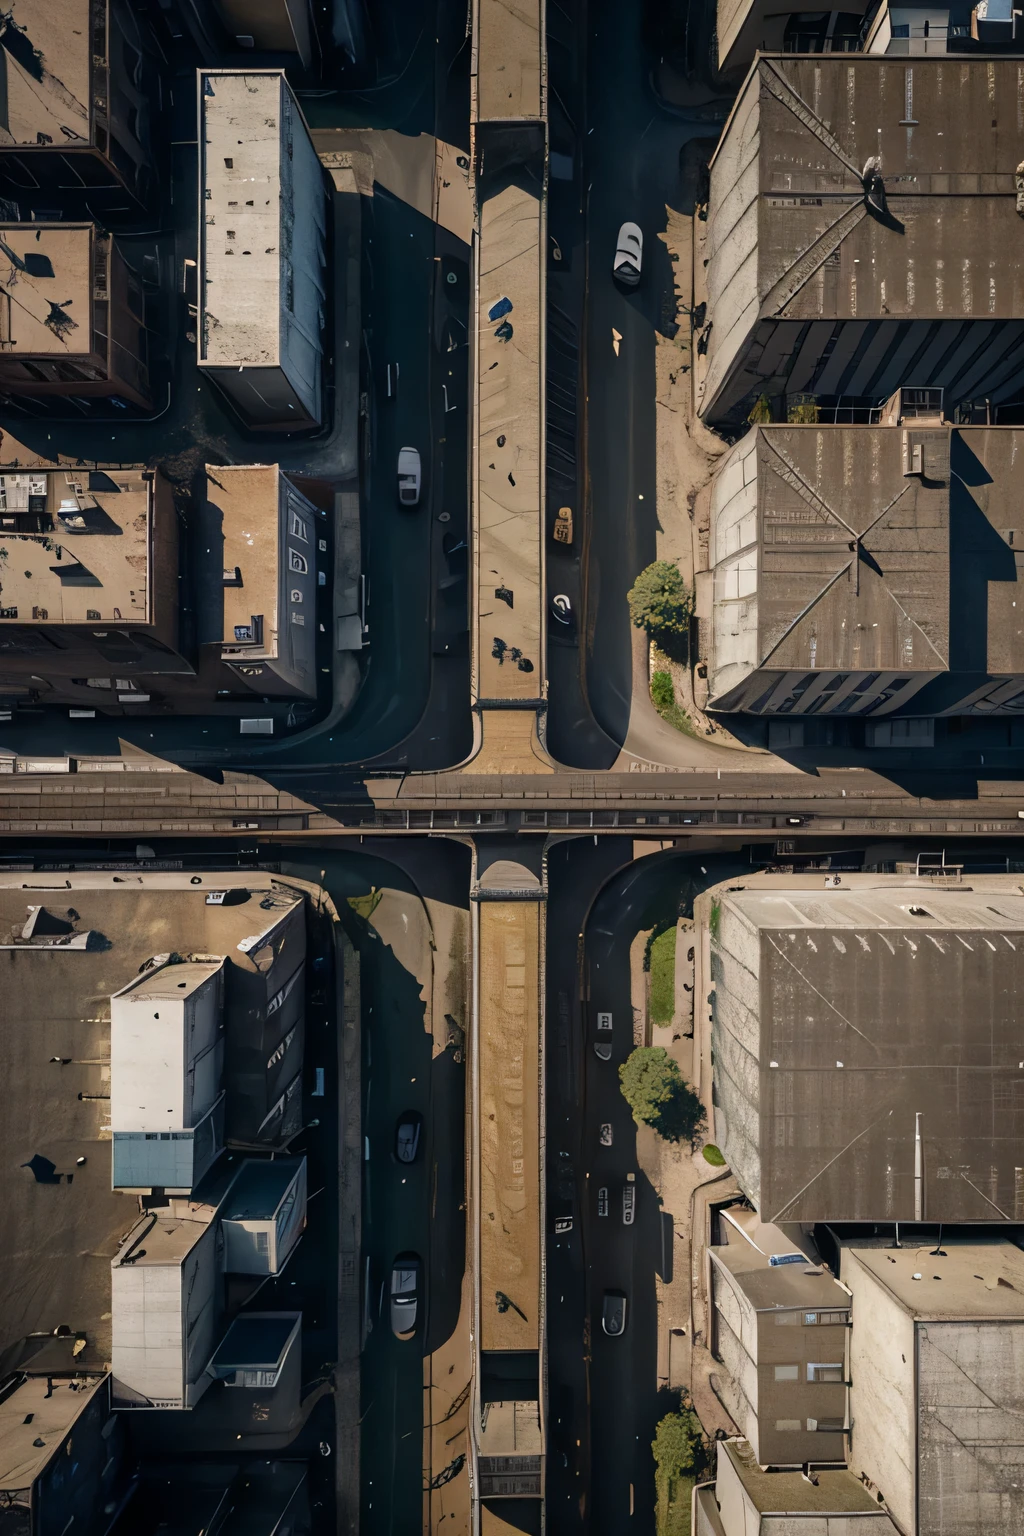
<point x="405" y="1298"/>
<point x="629" y="255"/>
<point x="409" y="476"/>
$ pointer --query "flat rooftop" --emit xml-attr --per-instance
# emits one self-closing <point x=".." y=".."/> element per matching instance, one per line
<point x="509" y="1121"/>
<point x="836" y="1491"/>
<point x="248" y="498"/>
<point x="259" y="1188"/>
<point x="964" y="1280"/>
<point x="171" y="983"/>
<point x="55" y="100"/>
<point x="98" y="525"/>
<point x="842" y="1014"/>
<point x="46" y="289"/>
<point x="163" y="1240"/>
<point x="34" y="1420"/>
<point x="509" y="59"/>
<point x="768" y="1287"/>
<point x="241" y="137"/>
<point x="255" y="1339"/>
<point x="65" y="1221"/>
<point x="509" y="585"/>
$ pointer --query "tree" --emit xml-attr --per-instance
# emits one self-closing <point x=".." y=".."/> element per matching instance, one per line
<point x="657" y="1093"/>
<point x="680" y="1446"/>
<point x="660" y="601"/>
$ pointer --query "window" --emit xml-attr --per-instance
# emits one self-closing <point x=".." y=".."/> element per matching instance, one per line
<point x="262" y="1243"/>
<point x="787" y="1373"/>
<point x="789" y="1424"/>
<point x="296" y="595"/>
<point x="819" y="1372"/>
<point x="297" y="562"/>
<point x="842" y="1318"/>
<point x="298" y="528"/>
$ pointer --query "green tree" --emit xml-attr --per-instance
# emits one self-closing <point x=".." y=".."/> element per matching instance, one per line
<point x="680" y="1446"/>
<point x="660" y="601"/>
<point x="657" y="1093"/>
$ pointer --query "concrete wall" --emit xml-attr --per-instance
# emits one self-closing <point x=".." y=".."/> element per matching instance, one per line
<point x="970" y="1409"/>
<point x="733" y="237"/>
<point x="164" y="1322"/>
<point x="303" y="228"/>
<point x="734" y="561"/>
<point x="882" y="1413"/>
<point x="735" y="1038"/>
<point x="736" y="1347"/>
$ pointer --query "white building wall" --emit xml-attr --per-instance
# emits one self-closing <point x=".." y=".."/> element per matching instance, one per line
<point x="882" y="1397"/>
<point x="159" y="1079"/>
<point x="733" y="298"/>
<point x="164" y="1318"/>
<point x="736" y="1037"/>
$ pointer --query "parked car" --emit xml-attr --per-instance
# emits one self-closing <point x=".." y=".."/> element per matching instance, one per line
<point x="561" y="610"/>
<point x="405" y="1295"/>
<point x="629" y="255"/>
<point x="613" y="1314"/>
<point x="606" y="1133"/>
<point x="629" y="1200"/>
<point x="409" y="475"/>
<point x="407" y="1136"/>
<point x="602" y="1200"/>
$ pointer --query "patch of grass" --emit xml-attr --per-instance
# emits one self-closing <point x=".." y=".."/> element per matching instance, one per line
<point x="713" y="1155"/>
<point x="663" y="697"/>
<point x="663" y="977"/>
<point x="365" y="906"/>
<point x="673" y="1510"/>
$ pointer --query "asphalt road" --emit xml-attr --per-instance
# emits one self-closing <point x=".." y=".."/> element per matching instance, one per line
<point x="603" y="1394"/>
<point x="630" y="171"/>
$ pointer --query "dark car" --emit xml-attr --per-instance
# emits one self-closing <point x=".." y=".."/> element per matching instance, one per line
<point x="407" y="1136"/>
<point x="613" y="1313"/>
<point x="405" y="1295"/>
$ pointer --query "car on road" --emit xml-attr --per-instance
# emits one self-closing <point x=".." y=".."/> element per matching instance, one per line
<point x="561" y="610"/>
<point x="407" y="1136"/>
<point x="602" y="1200"/>
<point x="405" y="1295"/>
<point x="629" y="1200"/>
<point x="613" y="1314"/>
<point x="607" y="1133"/>
<point x="409" y="476"/>
<point x="629" y="255"/>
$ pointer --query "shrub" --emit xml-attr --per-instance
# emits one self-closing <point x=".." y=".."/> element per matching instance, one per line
<point x="713" y="1155"/>
<point x="663" y="694"/>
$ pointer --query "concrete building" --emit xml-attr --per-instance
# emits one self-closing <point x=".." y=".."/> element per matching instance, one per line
<point x="166" y="1304"/>
<point x="271" y="26"/>
<point x="780" y="1331"/>
<point x="263" y="1215"/>
<point x="270" y="554"/>
<point x="172" y="1337"/>
<point x="72" y="319"/>
<point x="88" y="586"/>
<point x="166" y="1065"/>
<point x="262" y="227"/>
<point x="749" y="1500"/>
<point x="851" y="566"/>
<point x="937" y="1384"/>
<point x="49" y="1406"/>
<point x="81" y="106"/>
<point x="921" y="27"/>
<point x="91" y="600"/>
<point x="846" y="1022"/>
<point x="85" y="940"/>
<point x="834" y="233"/>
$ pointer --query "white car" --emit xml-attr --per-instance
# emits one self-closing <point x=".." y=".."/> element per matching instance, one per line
<point x="629" y="255"/>
<point x="409" y="477"/>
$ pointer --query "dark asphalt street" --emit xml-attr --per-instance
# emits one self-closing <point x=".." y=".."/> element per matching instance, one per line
<point x="630" y="147"/>
<point x="603" y="1391"/>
